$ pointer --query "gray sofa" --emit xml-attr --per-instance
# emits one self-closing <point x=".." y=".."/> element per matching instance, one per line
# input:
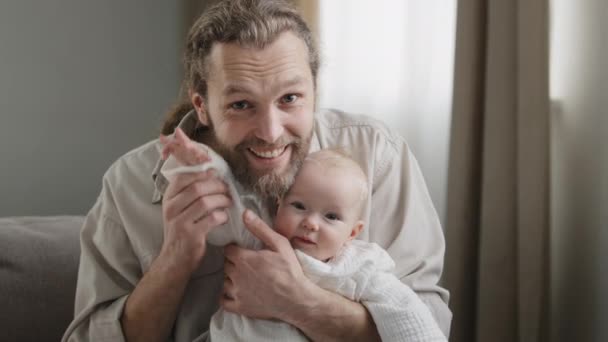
<point x="38" y="269"/>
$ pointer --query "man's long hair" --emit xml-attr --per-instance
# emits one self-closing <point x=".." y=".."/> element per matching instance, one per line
<point x="249" y="23"/>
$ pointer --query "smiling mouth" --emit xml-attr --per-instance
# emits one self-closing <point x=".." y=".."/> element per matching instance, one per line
<point x="267" y="154"/>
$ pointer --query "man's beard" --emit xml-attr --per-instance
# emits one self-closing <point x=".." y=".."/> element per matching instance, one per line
<point x="270" y="185"/>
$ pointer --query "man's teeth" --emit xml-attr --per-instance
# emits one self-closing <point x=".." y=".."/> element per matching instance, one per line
<point x="268" y="154"/>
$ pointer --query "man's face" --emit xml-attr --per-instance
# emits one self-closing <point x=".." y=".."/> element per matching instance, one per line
<point x="260" y="106"/>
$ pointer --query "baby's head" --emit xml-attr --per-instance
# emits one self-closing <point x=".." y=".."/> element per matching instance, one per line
<point x="323" y="209"/>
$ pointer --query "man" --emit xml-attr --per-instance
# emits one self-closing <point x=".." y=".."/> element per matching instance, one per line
<point x="146" y="272"/>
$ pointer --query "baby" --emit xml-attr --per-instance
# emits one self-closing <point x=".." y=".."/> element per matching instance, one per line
<point x="321" y="215"/>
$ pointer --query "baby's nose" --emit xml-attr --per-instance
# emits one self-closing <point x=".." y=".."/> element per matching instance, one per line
<point x="310" y="224"/>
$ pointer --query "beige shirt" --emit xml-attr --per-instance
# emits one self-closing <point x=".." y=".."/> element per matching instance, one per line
<point x="123" y="233"/>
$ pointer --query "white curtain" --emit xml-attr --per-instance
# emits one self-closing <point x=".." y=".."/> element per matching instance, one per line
<point x="393" y="59"/>
<point x="579" y="162"/>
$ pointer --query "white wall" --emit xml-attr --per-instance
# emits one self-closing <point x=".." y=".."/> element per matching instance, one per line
<point x="393" y="59"/>
<point x="81" y="82"/>
<point x="579" y="85"/>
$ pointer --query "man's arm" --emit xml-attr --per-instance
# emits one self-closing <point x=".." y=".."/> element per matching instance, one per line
<point x="331" y="317"/>
<point x="113" y="300"/>
<point x="151" y="309"/>
<point x="320" y="314"/>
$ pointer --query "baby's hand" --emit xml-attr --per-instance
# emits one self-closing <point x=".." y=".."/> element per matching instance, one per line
<point x="186" y="151"/>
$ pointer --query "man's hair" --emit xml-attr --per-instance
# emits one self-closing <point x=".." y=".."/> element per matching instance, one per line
<point x="249" y="23"/>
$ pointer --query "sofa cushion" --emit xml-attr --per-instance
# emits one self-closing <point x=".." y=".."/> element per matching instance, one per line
<point x="38" y="270"/>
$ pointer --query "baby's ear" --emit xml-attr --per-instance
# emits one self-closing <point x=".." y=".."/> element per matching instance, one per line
<point x="357" y="228"/>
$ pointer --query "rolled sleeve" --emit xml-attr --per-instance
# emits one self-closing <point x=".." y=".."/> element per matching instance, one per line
<point x="105" y="322"/>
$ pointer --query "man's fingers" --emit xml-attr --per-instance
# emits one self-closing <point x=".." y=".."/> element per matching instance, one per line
<point x="189" y="151"/>
<point x="181" y="136"/>
<point x="228" y="304"/>
<point x="260" y="229"/>
<point x="231" y="253"/>
<point x="190" y="156"/>
<point x="183" y="180"/>
<point x="206" y="206"/>
<point x="228" y="293"/>
<point x="207" y="187"/>
<point x="212" y="220"/>
<point x="183" y="148"/>
<point x="167" y="150"/>
<point x="234" y="254"/>
<point x="190" y="195"/>
<point x="164" y="139"/>
<point x="228" y="288"/>
<point x="229" y="269"/>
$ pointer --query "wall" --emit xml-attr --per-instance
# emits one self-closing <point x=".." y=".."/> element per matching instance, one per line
<point x="81" y="82"/>
<point x="579" y="86"/>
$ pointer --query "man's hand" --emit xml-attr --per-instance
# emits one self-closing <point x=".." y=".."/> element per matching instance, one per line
<point x="193" y="204"/>
<point x="186" y="151"/>
<point x="266" y="284"/>
<point x="270" y="284"/>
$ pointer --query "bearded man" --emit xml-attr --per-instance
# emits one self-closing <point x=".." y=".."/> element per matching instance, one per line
<point x="146" y="272"/>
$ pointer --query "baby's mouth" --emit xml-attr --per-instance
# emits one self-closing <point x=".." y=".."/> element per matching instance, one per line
<point x="304" y="240"/>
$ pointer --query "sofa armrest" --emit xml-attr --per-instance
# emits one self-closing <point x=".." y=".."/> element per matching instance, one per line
<point x="38" y="270"/>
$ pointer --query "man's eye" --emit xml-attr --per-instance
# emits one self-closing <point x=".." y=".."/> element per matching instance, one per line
<point x="289" y="98"/>
<point x="240" y="105"/>
<point x="332" y="216"/>
<point x="298" y="205"/>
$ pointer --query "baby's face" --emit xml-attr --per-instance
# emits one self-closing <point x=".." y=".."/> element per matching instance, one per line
<point x="321" y="210"/>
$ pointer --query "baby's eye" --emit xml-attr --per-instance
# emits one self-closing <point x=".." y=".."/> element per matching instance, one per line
<point x="298" y="205"/>
<point x="332" y="216"/>
<point x="240" y="105"/>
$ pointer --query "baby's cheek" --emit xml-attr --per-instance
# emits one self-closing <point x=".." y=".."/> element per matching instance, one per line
<point x="284" y="224"/>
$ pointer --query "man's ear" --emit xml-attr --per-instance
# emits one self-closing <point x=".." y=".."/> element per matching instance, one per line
<point x="199" y="105"/>
<point x="357" y="228"/>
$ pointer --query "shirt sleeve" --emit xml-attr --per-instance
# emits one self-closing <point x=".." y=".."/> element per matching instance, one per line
<point x="405" y="223"/>
<point x="108" y="272"/>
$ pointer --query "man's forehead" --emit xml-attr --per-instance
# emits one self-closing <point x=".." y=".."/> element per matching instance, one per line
<point x="288" y="51"/>
<point x="231" y="87"/>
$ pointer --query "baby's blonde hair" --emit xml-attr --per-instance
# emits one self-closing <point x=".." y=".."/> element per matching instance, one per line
<point x="339" y="158"/>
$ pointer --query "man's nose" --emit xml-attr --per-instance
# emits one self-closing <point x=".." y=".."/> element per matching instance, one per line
<point x="270" y="125"/>
<point x="310" y="223"/>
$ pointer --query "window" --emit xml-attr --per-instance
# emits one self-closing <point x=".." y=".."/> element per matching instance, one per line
<point x="393" y="59"/>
